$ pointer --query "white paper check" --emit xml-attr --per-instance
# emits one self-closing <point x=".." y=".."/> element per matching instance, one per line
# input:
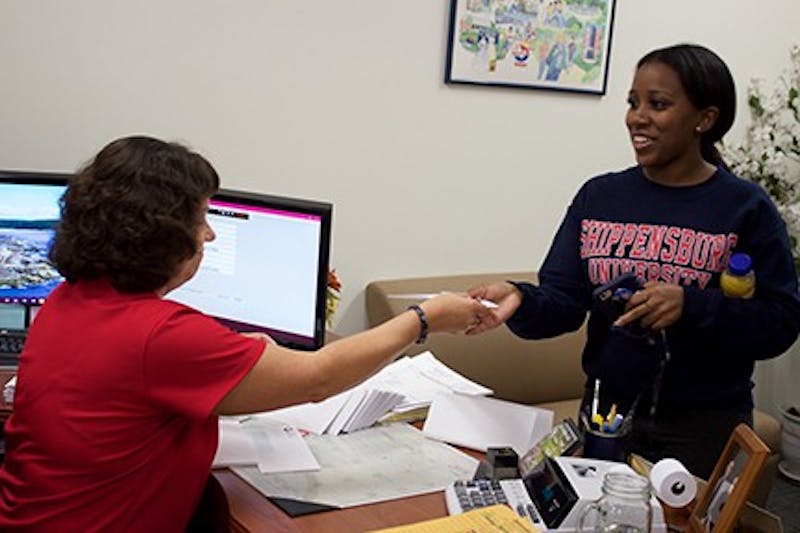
<point x="427" y="295"/>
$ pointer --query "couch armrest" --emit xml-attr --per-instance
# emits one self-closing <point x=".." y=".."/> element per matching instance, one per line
<point x="518" y="370"/>
<point x="768" y="430"/>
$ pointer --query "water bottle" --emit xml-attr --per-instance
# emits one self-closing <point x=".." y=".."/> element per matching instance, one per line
<point x="738" y="280"/>
<point x="624" y="506"/>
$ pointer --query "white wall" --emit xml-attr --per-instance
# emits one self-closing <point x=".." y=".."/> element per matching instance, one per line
<point x="344" y="101"/>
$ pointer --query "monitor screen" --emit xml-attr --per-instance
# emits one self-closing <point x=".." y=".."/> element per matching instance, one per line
<point x="267" y="269"/>
<point x="29" y="213"/>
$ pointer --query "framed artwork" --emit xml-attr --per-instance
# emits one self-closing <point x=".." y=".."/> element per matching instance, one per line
<point x="721" y="501"/>
<point x="534" y="44"/>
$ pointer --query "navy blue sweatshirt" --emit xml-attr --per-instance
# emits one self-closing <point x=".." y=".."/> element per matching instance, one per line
<point x="622" y="222"/>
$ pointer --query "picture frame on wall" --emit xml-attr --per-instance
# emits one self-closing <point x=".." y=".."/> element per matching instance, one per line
<point x="561" y="45"/>
<point x="721" y="502"/>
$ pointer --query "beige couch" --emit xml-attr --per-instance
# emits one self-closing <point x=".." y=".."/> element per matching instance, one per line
<point x="546" y="373"/>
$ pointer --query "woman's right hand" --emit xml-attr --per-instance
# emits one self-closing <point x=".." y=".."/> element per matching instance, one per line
<point x="453" y="312"/>
<point x="505" y="295"/>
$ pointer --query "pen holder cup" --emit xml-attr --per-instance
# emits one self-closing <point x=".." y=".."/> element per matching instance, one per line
<point x="607" y="446"/>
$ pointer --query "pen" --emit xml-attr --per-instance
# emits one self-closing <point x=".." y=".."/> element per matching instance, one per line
<point x="614" y="426"/>
<point x="596" y="397"/>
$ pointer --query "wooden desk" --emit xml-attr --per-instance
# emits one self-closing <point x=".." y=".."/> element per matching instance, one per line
<point x="251" y="511"/>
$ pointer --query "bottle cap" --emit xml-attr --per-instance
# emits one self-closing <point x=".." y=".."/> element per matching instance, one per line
<point x="740" y="264"/>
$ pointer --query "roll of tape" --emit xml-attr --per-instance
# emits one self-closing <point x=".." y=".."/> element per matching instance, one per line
<point x="672" y="483"/>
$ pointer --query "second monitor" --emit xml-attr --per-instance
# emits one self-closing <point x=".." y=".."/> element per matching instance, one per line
<point x="267" y="269"/>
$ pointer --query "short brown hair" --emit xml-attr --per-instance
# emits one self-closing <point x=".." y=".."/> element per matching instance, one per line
<point x="132" y="214"/>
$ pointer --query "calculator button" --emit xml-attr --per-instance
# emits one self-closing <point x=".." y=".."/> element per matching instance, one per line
<point x="534" y="516"/>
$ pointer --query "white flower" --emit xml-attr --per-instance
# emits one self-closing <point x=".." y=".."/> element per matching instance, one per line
<point x="769" y="154"/>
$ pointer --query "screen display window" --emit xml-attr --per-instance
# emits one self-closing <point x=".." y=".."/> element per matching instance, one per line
<point x="29" y="213"/>
<point x="267" y="268"/>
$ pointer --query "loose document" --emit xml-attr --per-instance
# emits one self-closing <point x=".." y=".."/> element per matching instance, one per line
<point x="269" y="445"/>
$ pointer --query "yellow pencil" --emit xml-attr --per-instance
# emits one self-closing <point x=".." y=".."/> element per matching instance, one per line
<point x="611" y="413"/>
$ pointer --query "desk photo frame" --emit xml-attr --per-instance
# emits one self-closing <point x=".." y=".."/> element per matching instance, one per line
<point x="533" y="44"/>
<point x="719" y="505"/>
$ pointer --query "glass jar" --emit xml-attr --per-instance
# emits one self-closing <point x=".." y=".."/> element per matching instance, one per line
<point x="624" y="506"/>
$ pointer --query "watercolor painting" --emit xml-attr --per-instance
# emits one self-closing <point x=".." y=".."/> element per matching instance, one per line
<point x="538" y="44"/>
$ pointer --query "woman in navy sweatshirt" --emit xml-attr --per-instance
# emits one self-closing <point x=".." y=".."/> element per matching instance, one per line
<point x="672" y="220"/>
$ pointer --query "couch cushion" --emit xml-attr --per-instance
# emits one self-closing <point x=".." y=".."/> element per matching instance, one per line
<point x="563" y="409"/>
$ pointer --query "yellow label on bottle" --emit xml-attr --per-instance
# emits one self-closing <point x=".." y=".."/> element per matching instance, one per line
<point x="737" y="286"/>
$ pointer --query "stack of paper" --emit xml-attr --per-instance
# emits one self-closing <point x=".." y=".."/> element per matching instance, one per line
<point x="408" y="383"/>
<point x="350" y="410"/>
<point x="363" y="406"/>
<point x="422" y="378"/>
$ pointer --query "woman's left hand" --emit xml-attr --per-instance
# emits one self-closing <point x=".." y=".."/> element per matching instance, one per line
<point x="656" y="306"/>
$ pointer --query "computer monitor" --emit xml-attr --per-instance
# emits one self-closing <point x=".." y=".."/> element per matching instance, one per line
<point x="267" y="269"/>
<point x="29" y="213"/>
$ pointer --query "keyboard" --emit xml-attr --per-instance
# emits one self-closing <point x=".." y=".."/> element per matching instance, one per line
<point x="465" y="495"/>
<point x="11" y="344"/>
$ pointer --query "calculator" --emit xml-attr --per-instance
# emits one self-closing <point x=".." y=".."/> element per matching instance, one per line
<point x="465" y="495"/>
<point x="553" y="496"/>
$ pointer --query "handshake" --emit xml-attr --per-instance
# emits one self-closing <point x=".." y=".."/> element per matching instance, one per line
<point x="489" y="305"/>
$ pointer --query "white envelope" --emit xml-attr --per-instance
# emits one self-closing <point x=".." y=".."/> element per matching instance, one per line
<point x="480" y="423"/>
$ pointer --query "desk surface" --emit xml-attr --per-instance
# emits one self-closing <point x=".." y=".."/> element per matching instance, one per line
<point x="251" y="511"/>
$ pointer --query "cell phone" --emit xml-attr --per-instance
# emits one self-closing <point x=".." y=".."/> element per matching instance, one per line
<point x="612" y="297"/>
